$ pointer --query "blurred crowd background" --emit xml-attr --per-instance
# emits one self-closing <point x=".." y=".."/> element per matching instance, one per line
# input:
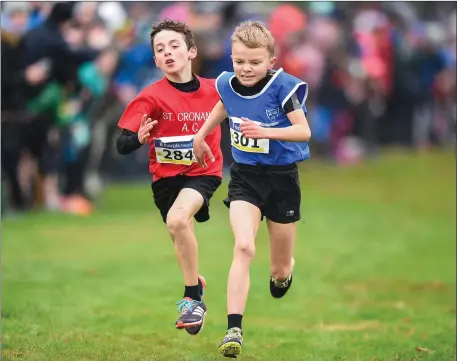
<point x="380" y="74"/>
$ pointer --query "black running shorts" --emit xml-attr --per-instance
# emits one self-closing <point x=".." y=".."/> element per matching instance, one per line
<point x="166" y="190"/>
<point x="275" y="190"/>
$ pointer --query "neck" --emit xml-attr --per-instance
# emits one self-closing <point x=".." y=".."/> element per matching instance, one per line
<point x="184" y="76"/>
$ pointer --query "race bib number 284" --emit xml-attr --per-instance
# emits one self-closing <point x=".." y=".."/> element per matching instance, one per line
<point x="175" y="150"/>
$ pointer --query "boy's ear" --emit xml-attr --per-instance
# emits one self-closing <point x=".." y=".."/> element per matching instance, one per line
<point x="272" y="62"/>
<point x="192" y="53"/>
<point x="155" y="61"/>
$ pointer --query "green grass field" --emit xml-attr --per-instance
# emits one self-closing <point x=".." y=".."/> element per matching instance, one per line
<point x="374" y="280"/>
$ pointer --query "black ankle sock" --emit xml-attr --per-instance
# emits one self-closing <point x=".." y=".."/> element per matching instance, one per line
<point x="234" y="320"/>
<point x="193" y="292"/>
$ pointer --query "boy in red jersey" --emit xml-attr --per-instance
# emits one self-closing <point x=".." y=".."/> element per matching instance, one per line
<point x="179" y="105"/>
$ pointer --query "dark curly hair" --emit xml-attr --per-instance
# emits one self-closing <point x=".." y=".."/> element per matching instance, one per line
<point x="173" y="25"/>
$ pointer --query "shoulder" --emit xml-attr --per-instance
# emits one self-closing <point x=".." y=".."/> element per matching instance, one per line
<point x="154" y="89"/>
<point x="207" y="87"/>
<point x="286" y="78"/>
<point x="208" y="84"/>
<point x="289" y="85"/>
<point x="225" y="75"/>
<point x="206" y="81"/>
<point x="223" y="80"/>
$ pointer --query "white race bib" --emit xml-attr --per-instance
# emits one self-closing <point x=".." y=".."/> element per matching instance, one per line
<point x="175" y="150"/>
<point x="246" y="144"/>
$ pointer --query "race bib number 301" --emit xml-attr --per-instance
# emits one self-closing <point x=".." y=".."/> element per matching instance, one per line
<point x="175" y="150"/>
<point x="246" y="144"/>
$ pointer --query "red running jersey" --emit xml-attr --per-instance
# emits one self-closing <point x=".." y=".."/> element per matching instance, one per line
<point x="180" y="116"/>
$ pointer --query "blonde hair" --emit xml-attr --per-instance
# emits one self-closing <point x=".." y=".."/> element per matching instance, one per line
<point x="254" y="34"/>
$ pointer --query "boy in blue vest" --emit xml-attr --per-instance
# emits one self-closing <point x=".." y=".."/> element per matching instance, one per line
<point x="269" y="134"/>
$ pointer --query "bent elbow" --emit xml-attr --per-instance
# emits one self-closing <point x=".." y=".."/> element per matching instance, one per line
<point x="119" y="147"/>
<point x="307" y="135"/>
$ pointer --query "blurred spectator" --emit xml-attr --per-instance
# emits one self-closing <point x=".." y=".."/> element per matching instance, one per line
<point x="16" y="132"/>
<point x="379" y="73"/>
<point x="15" y="17"/>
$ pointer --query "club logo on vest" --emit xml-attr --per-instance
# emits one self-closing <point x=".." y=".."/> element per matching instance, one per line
<point x="272" y="114"/>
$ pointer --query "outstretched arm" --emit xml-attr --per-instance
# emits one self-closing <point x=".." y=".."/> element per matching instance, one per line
<point x="217" y="115"/>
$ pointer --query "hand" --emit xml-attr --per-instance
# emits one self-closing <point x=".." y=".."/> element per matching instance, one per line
<point x="253" y="130"/>
<point x="200" y="150"/>
<point x="36" y="73"/>
<point x="145" y="127"/>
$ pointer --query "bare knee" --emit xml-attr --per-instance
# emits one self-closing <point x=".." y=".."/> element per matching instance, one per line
<point x="177" y="223"/>
<point x="245" y="250"/>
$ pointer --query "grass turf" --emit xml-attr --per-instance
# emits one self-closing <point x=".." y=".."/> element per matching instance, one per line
<point x="374" y="279"/>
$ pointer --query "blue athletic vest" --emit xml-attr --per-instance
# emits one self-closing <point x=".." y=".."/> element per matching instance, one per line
<point x="267" y="109"/>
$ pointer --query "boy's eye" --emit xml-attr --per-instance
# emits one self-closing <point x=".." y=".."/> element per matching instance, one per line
<point x="159" y="50"/>
<point x="175" y="46"/>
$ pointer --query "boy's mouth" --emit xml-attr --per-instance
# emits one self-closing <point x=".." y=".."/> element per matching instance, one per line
<point x="169" y="61"/>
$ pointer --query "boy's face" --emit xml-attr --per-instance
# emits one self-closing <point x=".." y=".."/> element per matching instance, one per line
<point x="171" y="53"/>
<point x="250" y="65"/>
